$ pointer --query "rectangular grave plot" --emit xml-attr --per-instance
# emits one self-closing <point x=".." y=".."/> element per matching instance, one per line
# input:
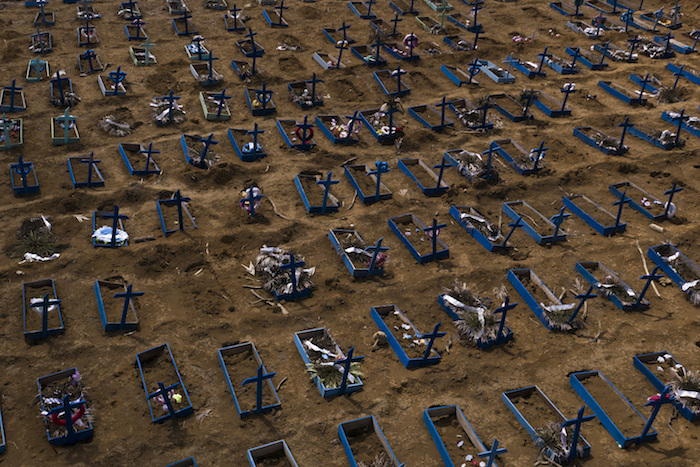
<point x="364" y="442"/>
<point x="611" y="286"/>
<point x="79" y="172"/>
<point x="615" y="412"/>
<point x="648" y="87"/>
<point x="336" y="36"/>
<point x="553" y="314"/>
<point x="496" y="73"/>
<point x="470" y="116"/>
<point x="368" y="55"/>
<point x="57" y="384"/>
<point x="158" y="365"/>
<point x="242" y="69"/>
<point x="336" y="127"/>
<point x="616" y="53"/>
<point x="551" y="106"/>
<point x="379" y="125"/>
<point x="33" y="76"/>
<point x="246" y="46"/>
<point x="210" y="107"/>
<point x="240" y="362"/>
<point x="677" y="267"/>
<point x="33" y="292"/>
<point x="58" y="133"/>
<point x="177" y="7"/>
<point x="243" y="145"/>
<point x="470" y="164"/>
<point x="138" y="56"/>
<point x="597" y="139"/>
<point x="516" y="156"/>
<point x="599" y="5"/>
<point x="12" y="100"/>
<point x="625" y="95"/>
<point x="301" y="93"/>
<point x="666" y="20"/>
<point x="42" y="43"/>
<point x="661" y="139"/>
<point x="288" y="130"/>
<point x="275" y="454"/>
<point x="593" y="214"/>
<point x="478" y="226"/>
<point x="565" y="8"/>
<point x="688" y="73"/>
<point x="102" y="218"/>
<point x="320" y="337"/>
<point x="169" y="217"/>
<point x="588" y="59"/>
<point x="404" y="7"/>
<point x="111" y="308"/>
<point x="561" y="66"/>
<point x="457" y="75"/>
<point x="361" y="10"/>
<point x="458" y="43"/>
<point x="389" y="83"/>
<point x="690" y="124"/>
<point x="108" y="88"/>
<point x="438" y="5"/>
<point x="452" y="434"/>
<point x="17" y="183"/>
<point x="586" y="29"/>
<point x="459" y="317"/>
<point x="409" y="229"/>
<point x="461" y="20"/>
<point x="430" y="117"/>
<point x="430" y="25"/>
<point x="135" y="161"/>
<point x="641" y="200"/>
<point x="661" y="368"/>
<point x="403" y="336"/>
<point x="424" y="176"/>
<point x="508" y="107"/>
<point x="312" y="194"/>
<point x="537" y="413"/>
<point x="543" y="231"/>
<point x="273" y="19"/>
<point x="357" y="263"/>
<point x="366" y="184"/>
<point x="327" y="61"/>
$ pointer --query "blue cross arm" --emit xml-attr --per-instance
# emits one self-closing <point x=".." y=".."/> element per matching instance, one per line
<point x="159" y="392"/>
<point x="254" y="379"/>
<point x="49" y="302"/>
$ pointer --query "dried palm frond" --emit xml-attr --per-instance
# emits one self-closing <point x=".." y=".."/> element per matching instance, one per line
<point x="382" y="460"/>
<point x="332" y="375"/>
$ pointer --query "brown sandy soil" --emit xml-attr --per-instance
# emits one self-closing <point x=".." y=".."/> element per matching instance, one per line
<point x="193" y="281"/>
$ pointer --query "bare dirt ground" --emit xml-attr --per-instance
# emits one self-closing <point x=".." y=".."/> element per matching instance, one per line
<point x="193" y="281"/>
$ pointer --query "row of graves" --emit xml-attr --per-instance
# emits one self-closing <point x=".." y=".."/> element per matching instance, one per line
<point x="65" y="407"/>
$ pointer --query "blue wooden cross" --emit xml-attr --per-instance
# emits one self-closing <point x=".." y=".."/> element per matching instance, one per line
<point x="313" y="82"/>
<point x="583" y="298"/>
<point x="292" y="266"/>
<point x="89" y="55"/>
<point x="179" y="200"/>
<point x="378" y="46"/>
<point x="210" y="58"/>
<point x="341" y="45"/>
<point x="658" y="14"/>
<point x="668" y="38"/>
<point x="538" y="153"/>
<point x="12" y="89"/>
<point x="433" y="231"/>
<point x="681" y="116"/>
<point x="397" y="74"/>
<point x="130" y="5"/>
<point x="116" y="77"/>
<point x="503" y="309"/>
<point x="678" y="73"/>
<point x="44" y="305"/>
<point x="138" y="23"/>
<point x="251" y="199"/>
<point x="664" y="398"/>
<point x="171" y="98"/>
<point x="346" y="362"/>
<point x="116" y="217"/>
<point x="643" y="83"/>
<point x="621" y="203"/>
<point x="258" y="380"/>
<point x="22" y="169"/>
<point x="670" y="194"/>
<point x="91" y="162"/>
<point x="443" y="105"/>
<point x="476" y="6"/>
<point x="566" y="90"/>
<point x="149" y="152"/>
<point x="604" y="53"/>
<point x="67" y="120"/>
<point x="146" y="49"/>
<point x="38" y="35"/>
<point x="599" y="20"/>
<point x="37" y="65"/>
<point x="543" y="56"/>
<point x="306" y="136"/>
<point x="627" y="18"/>
<point x="575" y="56"/>
<point x="510" y="60"/>
<point x="222" y="98"/>
<point x="651" y="277"/>
<point x="490" y="150"/>
<point x="477" y="29"/>
<point x="251" y="37"/>
<point x="396" y="21"/>
<point x="197" y="41"/>
<point x="163" y="392"/>
<point x="326" y="183"/>
<point x="6" y="125"/>
<point x="576" y="422"/>
<point x="369" y="4"/>
<point x="43" y="20"/>
<point x="355" y="117"/>
<point x="263" y="96"/>
<point x="412" y="44"/>
<point x="633" y="44"/>
<point x="492" y="453"/>
<point x="442" y="166"/>
<point x="431" y="336"/>
<point x="87" y="30"/>
<point x="484" y="109"/>
<point x="208" y="141"/>
<point x="128" y="297"/>
<point x="528" y="98"/>
<point x="67" y="409"/>
<point x="375" y="249"/>
<point x="557" y="220"/>
<point x="255" y="132"/>
<point x="186" y="15"/>
<point x="280" y="10"/>
<point x="513" y="225"/>
<point x="382" y="167"/>
<point x="390" y="113"/>
<point x="474" y="69"/>
<point x="235" y="11"/>
<point x="695" y="43"/>
<point x="625" y="125"/>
